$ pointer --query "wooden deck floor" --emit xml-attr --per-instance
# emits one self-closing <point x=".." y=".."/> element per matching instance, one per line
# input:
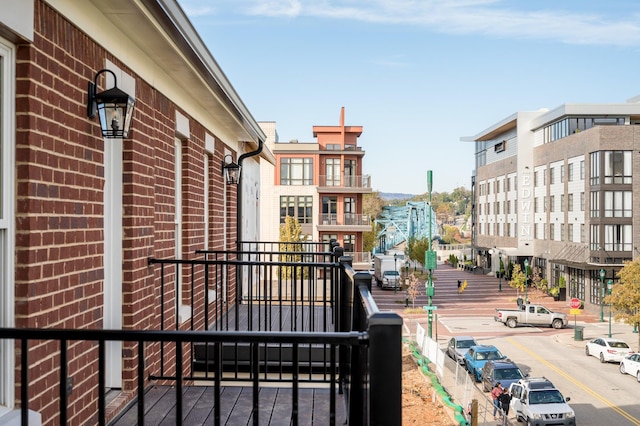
<point x="276" y="407"/>
<point x="276" y="398"/>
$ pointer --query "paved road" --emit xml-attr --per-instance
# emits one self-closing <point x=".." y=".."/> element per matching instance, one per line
<point x="599" y="393"/>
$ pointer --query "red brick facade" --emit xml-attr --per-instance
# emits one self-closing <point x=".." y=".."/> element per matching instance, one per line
<point x="60" y="209"/>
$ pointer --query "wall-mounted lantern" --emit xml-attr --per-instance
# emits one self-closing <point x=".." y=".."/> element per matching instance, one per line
<point x="114" y="107"/>
<point x="231" y="171"/>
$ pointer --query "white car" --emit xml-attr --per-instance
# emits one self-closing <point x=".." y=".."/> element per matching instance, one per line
<point x="458" y="346"/>
<point x="631" y="365"/>
<point x="607" y="349"/>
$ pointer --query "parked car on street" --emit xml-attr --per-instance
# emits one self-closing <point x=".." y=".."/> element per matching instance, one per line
<point x="537" y="402"/>
<point x="631" y="365"/>
<point x="531" y="315"/>
<point x="607" y="349"/>
<point x="458" y="346"/>
<point x="502" y="371"/>
<point x="477" y="356"/>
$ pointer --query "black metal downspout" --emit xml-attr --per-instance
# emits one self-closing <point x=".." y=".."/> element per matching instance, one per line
<point x="239" y="219"/>
<point x="239" y="197"/>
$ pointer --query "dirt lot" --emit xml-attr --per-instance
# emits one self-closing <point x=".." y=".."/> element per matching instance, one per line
<point x="418" y="407"/>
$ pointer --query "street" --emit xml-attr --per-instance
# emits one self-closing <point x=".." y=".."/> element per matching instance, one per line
<point x="599" y="393"/>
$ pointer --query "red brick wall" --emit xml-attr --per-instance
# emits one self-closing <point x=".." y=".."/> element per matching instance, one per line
<point x="60" y="210"/>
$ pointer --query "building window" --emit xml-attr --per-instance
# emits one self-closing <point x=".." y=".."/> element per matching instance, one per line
<point x="596" y="287"/>
<point x="329" y="210"/>
<point x="582" y="233"/>
<point x="7" y="215"/>
<point x="349" y="243"/>
<point x="582" y="201"/>
<point x="595" y="238"/>
<point x="562" y="229"/>
<point x="326" y="238"/>
<point x="569" y="202"/>
<point x="617" y="204"/>
<point x="570" y="172"/>
<point x="552" y="176"/>
<point x="594" y="171"/>
<point x="569" y="125"/>
<point x="299" y="207"/>
<point x="332" y="170"/>
<point x="582" y="170"/>
<point x="552" y="231"/>
<point x="350" y="178"/>
<point x="177" y="222"/>
<point x="618" y="238"/>
<point x="350" y="216"/>
<point x="562" y="203"/>
<point x="562" y="173"/>
<point x="595" y="204"/>
<point x="535" y="179"/>
<point x="617" y="167"/>
<point x="552" y="203"/>
<point x="570" y="235"/>
<point x="536" y="201"/>
<point x="296" y="171"/>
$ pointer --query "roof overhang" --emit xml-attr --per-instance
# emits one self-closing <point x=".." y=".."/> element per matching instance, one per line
<point x="156" y="40"/>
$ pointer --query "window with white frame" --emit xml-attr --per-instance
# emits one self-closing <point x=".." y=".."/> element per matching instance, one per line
<point x="177" y="223"/>
<point x="7" y="218"/>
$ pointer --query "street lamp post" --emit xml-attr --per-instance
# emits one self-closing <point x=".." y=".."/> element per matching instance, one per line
<point x="602" y="274"/>
<point x="609" y="288"/>
<point x="395" y="268"/>
<point x="500" y="271"/>
<point x="430" y="261"/>
<point x="526" y="280"/>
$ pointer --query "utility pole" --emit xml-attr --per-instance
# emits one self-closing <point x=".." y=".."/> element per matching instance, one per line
<point x="430" y="261"/>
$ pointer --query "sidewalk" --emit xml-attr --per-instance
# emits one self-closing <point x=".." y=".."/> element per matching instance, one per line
<point x="593" y="328"/>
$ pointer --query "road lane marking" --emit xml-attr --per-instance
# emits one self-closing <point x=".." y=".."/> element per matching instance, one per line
<point x="577" y="383"/>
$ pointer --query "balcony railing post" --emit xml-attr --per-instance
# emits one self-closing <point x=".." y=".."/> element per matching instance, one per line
<point x="385" y="369"/>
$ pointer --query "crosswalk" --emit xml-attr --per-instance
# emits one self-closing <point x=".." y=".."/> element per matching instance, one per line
<point x="480" y="297"/>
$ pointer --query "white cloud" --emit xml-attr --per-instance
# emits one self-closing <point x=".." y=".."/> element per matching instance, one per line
<point x="495" y="18"/>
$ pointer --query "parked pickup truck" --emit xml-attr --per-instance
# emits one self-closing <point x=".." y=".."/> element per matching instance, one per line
<point x="531" y="315"/>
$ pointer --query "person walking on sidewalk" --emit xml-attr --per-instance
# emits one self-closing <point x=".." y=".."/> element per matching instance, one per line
<point x="505" y="400"/>
<point x="495" y="394"/>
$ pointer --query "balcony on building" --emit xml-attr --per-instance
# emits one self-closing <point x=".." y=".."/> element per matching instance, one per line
<point x="357" y="184"/>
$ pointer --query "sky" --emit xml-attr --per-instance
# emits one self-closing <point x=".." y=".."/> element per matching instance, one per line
<point x="418" y="75"/>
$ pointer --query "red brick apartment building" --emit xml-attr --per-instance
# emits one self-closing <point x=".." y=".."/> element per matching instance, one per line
<point x="81" y="214"/>
<point x="321" y="184"/>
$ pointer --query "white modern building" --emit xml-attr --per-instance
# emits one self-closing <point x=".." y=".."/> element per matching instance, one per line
<point x="556" y="188"/>
<point x="321" y="184"/>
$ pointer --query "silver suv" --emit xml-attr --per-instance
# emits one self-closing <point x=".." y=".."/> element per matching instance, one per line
<point x="537" y="402"/>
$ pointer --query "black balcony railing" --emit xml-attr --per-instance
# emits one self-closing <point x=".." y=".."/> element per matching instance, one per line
<point x="253" y="319"/>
